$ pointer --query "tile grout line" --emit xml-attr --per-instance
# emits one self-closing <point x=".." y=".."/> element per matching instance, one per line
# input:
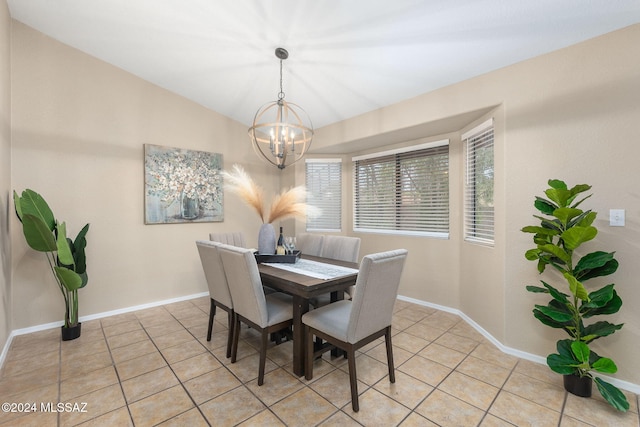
<point x="174" y="373"/>
<point x="124" y="396"/>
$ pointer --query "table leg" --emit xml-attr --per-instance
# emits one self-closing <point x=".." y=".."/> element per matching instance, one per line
<point x="300" y="307"/>
<point x="337" y="296"/>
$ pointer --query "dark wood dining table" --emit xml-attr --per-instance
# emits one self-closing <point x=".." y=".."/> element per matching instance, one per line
<point x="302" y="287"/>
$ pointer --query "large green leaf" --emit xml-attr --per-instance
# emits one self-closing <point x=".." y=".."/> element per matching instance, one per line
<point x="577" y="235"/>
<point x="561" y="364"/>
<point x="559" y="195"/>
<point x="561" y="297"/>
<point x="37" y="233"/>
<point x="612" y="394"/>
<point x="532" y="254"/>
<point x="79" y="246"/>
<point x="557" y="184"/>
<point x="607" y="269"/>
<point x="34" y="204"/>
<point x="558" y="314"/>
<point x="579" y="188"/>
<point x="600" y="297"/>
<point x="604" y="365"/>
<point x="540" y="230"/>
<point x="17" y="205"/>
<point x="537" y="289"/>
<point x="542" y="264"/>
<point x="612" y="306"/>
<point x="64" y="250"/>
<point x="544" y="206"/>
<point x="85" y="279"/>
<point x="552" y="224"/>
<point x="593" y="260"/>
<point x="543" y="239"/>
<point x="564" y="348"/>
<point x="579" y="202"/>
<point x="599" y="329"/>
<point x="584" y="220"/>
<point x="566" y="214"/>
<point x="581" y="351"/>
<point x="69" y="278"/>
<point x="556" y="251"/>
<point x="546" y="320"/>
<point x="596" y="264"/>
<point x="576" y="287"/>
<point x="548" y="289"/>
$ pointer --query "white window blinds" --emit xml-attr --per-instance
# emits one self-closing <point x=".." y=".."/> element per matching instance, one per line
<point x="403" y="192"/>
<point x="479" y="183"/>
<point x="324" y="190"/>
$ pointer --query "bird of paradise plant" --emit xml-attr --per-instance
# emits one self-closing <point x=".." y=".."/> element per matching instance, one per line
<point x="67" y="260"/>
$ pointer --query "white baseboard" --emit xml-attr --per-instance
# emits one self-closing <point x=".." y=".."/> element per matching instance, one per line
<point x="625" y="385"/>
<point x="52" y="325"/>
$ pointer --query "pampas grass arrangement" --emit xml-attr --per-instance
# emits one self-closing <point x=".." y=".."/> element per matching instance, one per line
<point x="288" y="204"/>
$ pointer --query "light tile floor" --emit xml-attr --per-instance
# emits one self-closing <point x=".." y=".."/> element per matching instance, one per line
<point x="155" y="367"/>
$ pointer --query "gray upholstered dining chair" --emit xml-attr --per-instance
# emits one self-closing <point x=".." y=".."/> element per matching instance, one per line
<point x="352" y="324"/>
<point x="309" y="244"/>
<point x="266" y="314"/>
<point x="234" y="238"/>
<point x="218" y="287"/>
<point x="343" y="248"/>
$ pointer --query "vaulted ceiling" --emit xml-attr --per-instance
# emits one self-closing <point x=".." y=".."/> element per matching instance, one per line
<point x="346" y="57"/>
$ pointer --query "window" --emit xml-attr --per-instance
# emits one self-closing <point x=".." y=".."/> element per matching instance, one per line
<point x="403" y="191"/>
<point x="479" y="177"/>
<point x="324" y="190"/>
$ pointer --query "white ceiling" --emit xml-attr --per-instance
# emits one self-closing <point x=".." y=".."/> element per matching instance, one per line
<point x="346" y="57"/>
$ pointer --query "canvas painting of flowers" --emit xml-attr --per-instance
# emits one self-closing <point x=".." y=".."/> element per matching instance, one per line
<point x="182" y="185"/>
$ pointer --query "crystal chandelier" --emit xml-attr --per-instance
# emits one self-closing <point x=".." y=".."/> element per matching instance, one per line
<point x="281" y="131"/>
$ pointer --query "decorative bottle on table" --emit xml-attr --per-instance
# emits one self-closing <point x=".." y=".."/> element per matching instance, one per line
<point x="280" y="245"/>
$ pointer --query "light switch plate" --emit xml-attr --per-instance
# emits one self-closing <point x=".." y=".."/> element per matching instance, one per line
<point x="616" y="217"/>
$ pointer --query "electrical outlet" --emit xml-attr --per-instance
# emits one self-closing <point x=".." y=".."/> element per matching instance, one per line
<point x="616" y="217"/>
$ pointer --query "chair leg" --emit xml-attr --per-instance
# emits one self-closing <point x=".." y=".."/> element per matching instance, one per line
<point x="351" y="358"/>
<point x="387" y="340"/>
<point x="230" y="334"/>
<point x="263" y="356"/>
<point x="236" y="337"/>
<point x="212" y="313"/>
<point x="308" y="368"/>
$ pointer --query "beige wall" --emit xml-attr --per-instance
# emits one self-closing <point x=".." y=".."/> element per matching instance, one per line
<point x="5" y="173"/>
<point x="79" y="126"/>
<point x="573" y="115"/>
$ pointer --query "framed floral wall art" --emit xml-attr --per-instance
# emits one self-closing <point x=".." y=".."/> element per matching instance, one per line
<point x="182" y="185"/>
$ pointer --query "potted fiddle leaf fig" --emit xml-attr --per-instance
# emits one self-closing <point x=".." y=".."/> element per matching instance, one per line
<point x="564" y="228"/>
<point x="66" y="257"/>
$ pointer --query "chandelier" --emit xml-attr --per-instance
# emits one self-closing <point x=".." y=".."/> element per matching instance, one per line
<point x="281" y="131"/>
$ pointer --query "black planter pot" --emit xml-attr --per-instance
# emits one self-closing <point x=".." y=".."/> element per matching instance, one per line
<point x="71" y="333"/>
<point x="580" y="386"/>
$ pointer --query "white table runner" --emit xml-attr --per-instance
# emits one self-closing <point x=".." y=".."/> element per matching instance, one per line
<point x="316" y="269"/>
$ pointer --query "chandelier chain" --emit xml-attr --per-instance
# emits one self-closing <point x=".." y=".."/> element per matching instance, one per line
<point x="281" y="94"/>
